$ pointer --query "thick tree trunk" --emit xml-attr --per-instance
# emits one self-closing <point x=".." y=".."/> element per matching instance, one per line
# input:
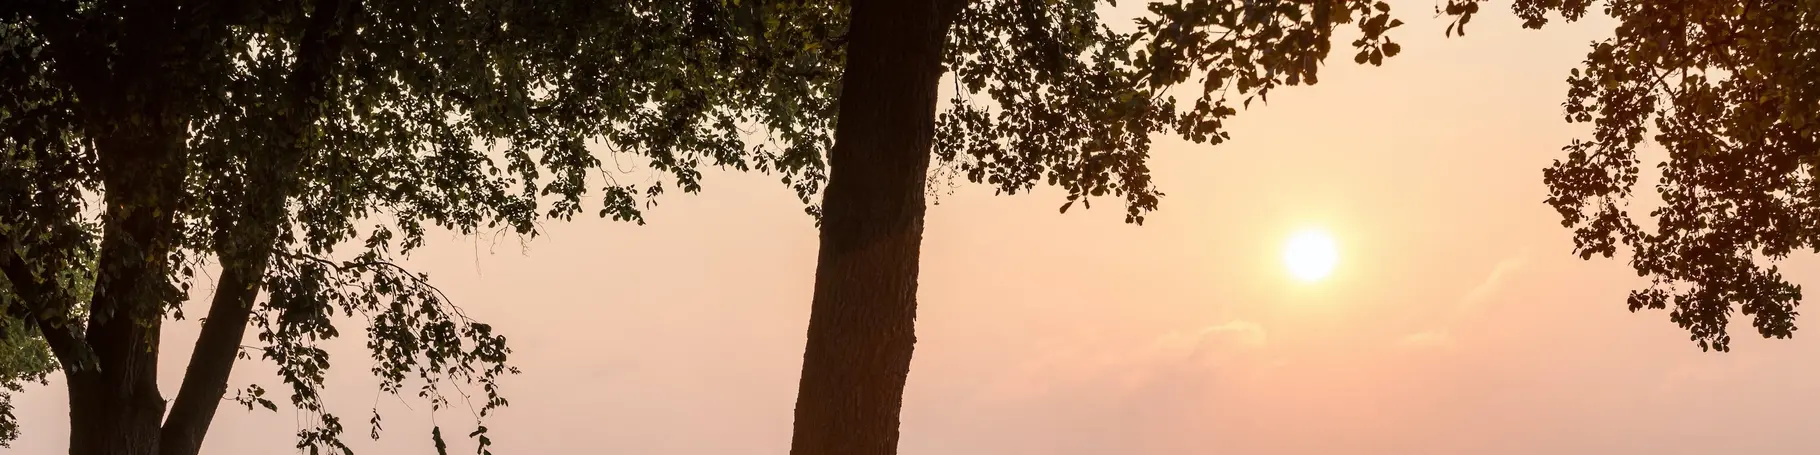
<point x="115" y="407"/>
<point x="861" y="324"/>
<point x="138" y="92"/>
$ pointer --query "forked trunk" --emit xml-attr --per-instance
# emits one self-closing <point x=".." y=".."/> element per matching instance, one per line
<point x="115" y="407"/>
<point x="861" y="324"/>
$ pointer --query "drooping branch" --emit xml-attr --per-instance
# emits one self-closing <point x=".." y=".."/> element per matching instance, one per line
<point x="413" y="330"/>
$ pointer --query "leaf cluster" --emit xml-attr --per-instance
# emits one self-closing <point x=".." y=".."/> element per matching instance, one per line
<point x="1730" y="91"/>
<point x="476" y="117"/>
<point x="1049" y="93"/>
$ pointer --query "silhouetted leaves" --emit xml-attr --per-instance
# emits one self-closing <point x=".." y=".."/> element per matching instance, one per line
<point x="477" y="116"/>
<point x="24" y="358"/>
<point x="472" y="116"/>
<point x="1731" y="92"/>
<point x="1047" y="93"/>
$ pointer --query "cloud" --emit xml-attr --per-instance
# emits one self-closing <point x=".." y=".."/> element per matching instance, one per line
<point x="1488" y="289"/>
<point x="1209" y="343"/>
<point x="1476" y="298"/>
<point x="1156" y="393"/>
<point x="1123" y="367"/>
<point x="1239" y="332"/>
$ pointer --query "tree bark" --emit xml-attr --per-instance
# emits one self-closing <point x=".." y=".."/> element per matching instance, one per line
<point x="862" y="320"/>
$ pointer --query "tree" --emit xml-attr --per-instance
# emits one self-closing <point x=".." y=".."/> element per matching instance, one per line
<point x="24" y="357"/>
<point x="141" y="139"/>
<point x="1730" y="90"/>
<point x="1064" y="99"/>
<point x="259" y="133"/>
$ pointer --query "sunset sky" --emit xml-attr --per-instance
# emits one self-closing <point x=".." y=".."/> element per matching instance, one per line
<point x="1457" y="319"/>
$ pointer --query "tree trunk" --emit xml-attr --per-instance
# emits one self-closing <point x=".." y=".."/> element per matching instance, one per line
<point x="212" y="359"/>
<point x="138" y="92"/>
<point x="249" y="253"/>
<point x="115" y="407"/>
<point x="861" y="323"/>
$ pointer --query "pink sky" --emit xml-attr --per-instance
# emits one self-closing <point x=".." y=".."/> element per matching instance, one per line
<point x="1458" y="321"/>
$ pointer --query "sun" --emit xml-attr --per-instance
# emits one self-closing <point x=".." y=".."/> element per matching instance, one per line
<point x="1310" y="255"/>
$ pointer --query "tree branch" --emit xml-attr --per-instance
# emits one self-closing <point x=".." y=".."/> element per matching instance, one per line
<point x="246" y="258"/>
<point x="41" y="298"/>
<point x="416" y="279"/>
<point x="71" y="352"/>
<point x="211" y="361"/>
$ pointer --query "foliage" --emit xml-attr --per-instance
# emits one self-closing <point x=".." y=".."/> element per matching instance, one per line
<point x="1044" y="92"/>
<point x="24" y="358"/>
<point x="1071" y="102"/>
<point x="368" y="123"/>
<point x="1730" y="90"/>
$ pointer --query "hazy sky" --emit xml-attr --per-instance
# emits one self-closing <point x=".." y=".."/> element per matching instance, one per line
<point x="1457" y="322"/>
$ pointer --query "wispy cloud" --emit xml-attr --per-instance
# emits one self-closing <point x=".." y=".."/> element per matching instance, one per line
<point x="1237" y="333"/>
<point x="1488" y="289"/>
<point x="1475" y="299"/>
<point x="1209" y="343"/>
<point x="1131" y="365"/>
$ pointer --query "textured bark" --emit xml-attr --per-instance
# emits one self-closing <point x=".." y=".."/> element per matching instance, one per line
<point x="861" y="324"/>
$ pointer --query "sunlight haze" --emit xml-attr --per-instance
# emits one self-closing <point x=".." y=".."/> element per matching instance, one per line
<point x="1457" y="321"/>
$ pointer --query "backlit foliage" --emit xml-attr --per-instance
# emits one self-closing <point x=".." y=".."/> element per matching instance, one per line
<point x="1047" y="92"/>
<point x="1730" y="91"/>
<point x="483" y="116"/>
<point x="469" y="116"/>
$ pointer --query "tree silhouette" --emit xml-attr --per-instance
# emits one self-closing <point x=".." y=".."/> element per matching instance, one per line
<point x="1045" y="92"/>
<point x="145" y="137"/>
<point x="25" y="357"/>
<point x="302" y="146"/>
<point x="1730" y="90"/>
